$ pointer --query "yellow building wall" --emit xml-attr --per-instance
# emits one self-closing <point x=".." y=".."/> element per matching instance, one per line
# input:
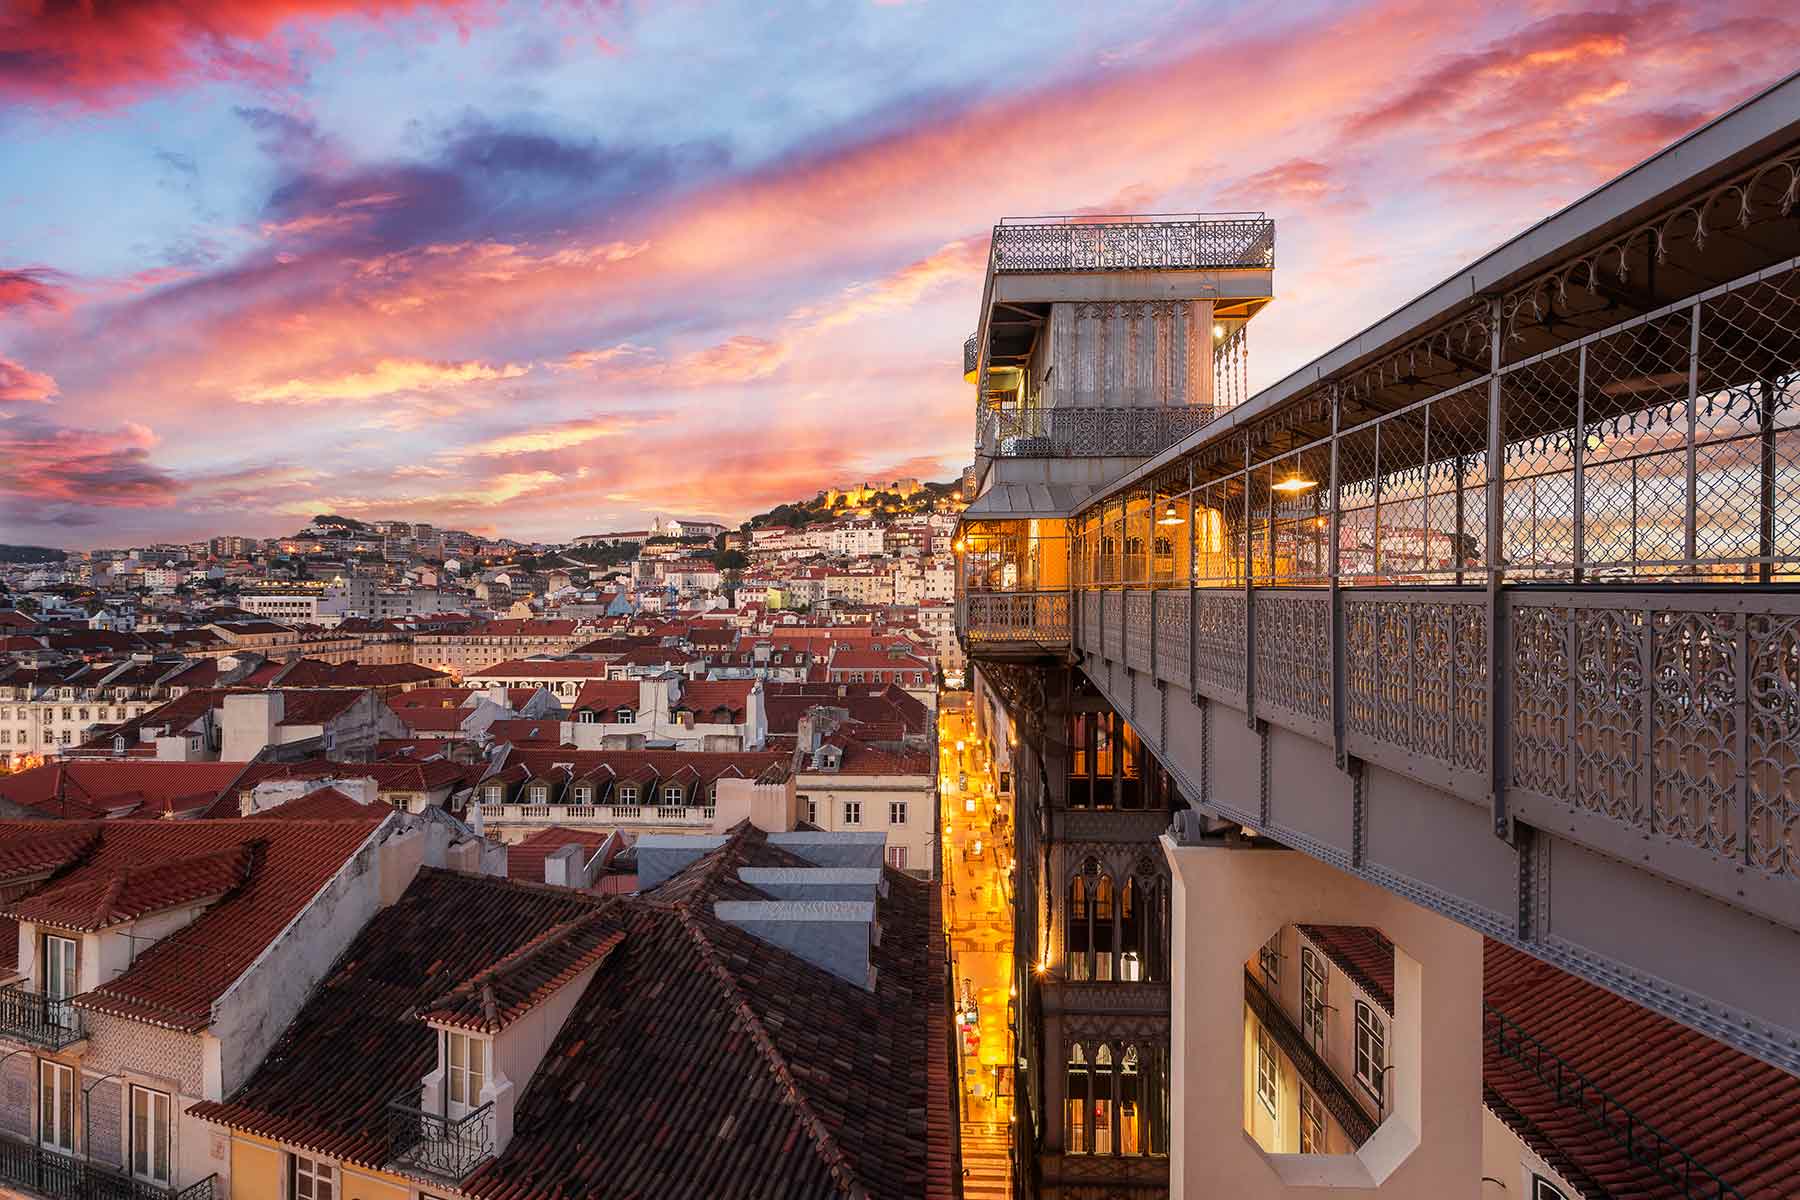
<point x="257" y="1169"/>
<point x="259" y="1172"/>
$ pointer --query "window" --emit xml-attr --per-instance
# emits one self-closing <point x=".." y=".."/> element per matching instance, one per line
<point x="495" y="794"/>
<point x="896" y="812"/>
<point x="1269" y="958"/>
<point x="672" y="794"/>
<point x="1312" y="998"/>
<point x="584" y="794"/>
<point x="1543" y="1189"/>
<point x="56" y="1106"/>
<point x="465" y="1071"/>
<point x="59" y="967"/>
<point x="853" y="812"/>
<point x="1075" y="1139"/>
<point x="625" y="716"/>
<point x="896" y="857"/>
<point x="313" y="1179"/>
<point x="584" y="717"/>
<point x="628" y="793"/>
<point x="1371" y="1052"/>
<point x="812" y="809"/>
<point x="151" y="1135"/>
<point x="1312" y="1122"/>
<point x="1131" y="1112"/>
<point x="540" y="793"/>
<point x="1265" y="1069"/>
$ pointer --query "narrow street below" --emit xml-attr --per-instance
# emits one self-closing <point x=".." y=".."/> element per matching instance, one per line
<point x="978" y="849"/>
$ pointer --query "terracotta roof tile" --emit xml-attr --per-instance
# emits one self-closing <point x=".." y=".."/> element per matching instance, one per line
<point x="97" y="900"/>
<point x="498" y="995"/>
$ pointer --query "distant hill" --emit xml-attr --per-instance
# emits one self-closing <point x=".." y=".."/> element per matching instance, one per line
<point x="30" y="554"/>
<point x="347" y="523"/>
<point x="801" y="512"/>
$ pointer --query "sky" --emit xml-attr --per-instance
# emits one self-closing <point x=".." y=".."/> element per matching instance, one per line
<point x="548" y="268"/>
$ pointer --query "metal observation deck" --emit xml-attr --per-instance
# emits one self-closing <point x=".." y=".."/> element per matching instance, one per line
<point x="1497" y="604"/>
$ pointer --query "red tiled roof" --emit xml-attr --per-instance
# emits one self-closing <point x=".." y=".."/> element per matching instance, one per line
<point x="316" y="707"/>
<point x="498" y="995"/>
<point x="695" y="1061"/>
<point x="96" y="786"/>
<point x="1731" y="1113"/>
<point x="175" y="981"/>
<point x="97" y="900"/>
<point x="534" y="732"/>
<point x="431" y="697"/>
<point x="520" y="668"/>
<point x="1361" y="952"/>
<point x="321" y="804"/>
<point x="607" y="694"/>
<point x="525" y="859"/>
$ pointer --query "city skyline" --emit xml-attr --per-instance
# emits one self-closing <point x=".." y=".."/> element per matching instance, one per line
<point x="255" y="265"/>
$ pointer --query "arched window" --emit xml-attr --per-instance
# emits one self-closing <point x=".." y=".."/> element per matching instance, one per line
<point x="1131" y="1103"/>
<point x="1103" y="1100"/>
<point x="1075" y="1104"/>
<point x="1131" y="932"/>
<point x="1080" y="937"/>
<point x="1105" y="936"/>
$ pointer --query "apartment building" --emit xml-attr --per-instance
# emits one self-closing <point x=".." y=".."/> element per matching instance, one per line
<point x="155" y="964"/>
<point x="459" y="653"/>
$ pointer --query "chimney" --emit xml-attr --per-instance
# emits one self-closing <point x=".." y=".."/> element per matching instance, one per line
<point x="567" y="866"/>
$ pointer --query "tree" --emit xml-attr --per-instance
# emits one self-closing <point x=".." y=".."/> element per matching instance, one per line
<point x="732" y="560"/>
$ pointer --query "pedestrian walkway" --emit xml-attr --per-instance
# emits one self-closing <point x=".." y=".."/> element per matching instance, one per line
<point x="978" y="915"/>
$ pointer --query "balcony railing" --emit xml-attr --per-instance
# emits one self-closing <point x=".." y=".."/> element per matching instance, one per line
<point x="1176" y="243"/>
<point x="441" y="1147"/>
<point x="30" y="1016"/>
<point x="686" y="815"/>
<point x="1125" y="431"/>
<point x="971" y="356"/>
<point x="45" y="1172"/>
<point x="1016" y="618"/>
<point x="1642" y="1144"/>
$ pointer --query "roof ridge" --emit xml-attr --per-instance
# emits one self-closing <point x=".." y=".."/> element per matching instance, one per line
<point x="824" y="1144"/>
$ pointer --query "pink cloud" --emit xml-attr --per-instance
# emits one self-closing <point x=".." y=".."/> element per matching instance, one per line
<point x="44" y="465"/>
<point x="93" y="54"/>
<point x="381" y="379"/>
<point x="32" y="287"/>
<point x="21" y="385"/>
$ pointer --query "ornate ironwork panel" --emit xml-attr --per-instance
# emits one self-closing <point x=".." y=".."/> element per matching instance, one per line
<point x="971" y="355"/>
<point x="1137" y="629"/>
<point x="1174" y="635"/>
<point x="1539" y="664"/>
<point x="1293" y="653"/>
<point x="1774" y="743"/>
<point x="1113" y="606"/>
<point x="1415" y="674"/>
<point x="1696" y="715"/>
<point x="1178" y="245"/>
<point x="1040" y="618"/>
<point x="1219" y="640"/>
<point x="1090" y="622"/>
<point x="1608" y="746"/>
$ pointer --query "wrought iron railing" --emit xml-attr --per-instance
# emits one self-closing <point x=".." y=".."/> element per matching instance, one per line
<point x="46" y="1172"/>
<point x="1155" y="243"/>
<point x="31" y="1016"/>
<point x="1125" y="431"/>
<point x="1040" y="618"/>
<point x="971" y="355"/>
<point x="439" y="1146"/>
<point x="1642" y="1143"/>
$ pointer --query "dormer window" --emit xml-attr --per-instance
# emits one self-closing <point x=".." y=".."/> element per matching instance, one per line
<point x="495" y="793"/>
<point x="584" y="794"/>
<point x="540" y="793"/>
<point x="628" y="793"/>
<point x="465" y="1071"/>
<point x="625" y="716"/>
<point x="672" y="794"/>
<point x="584" y="717"/>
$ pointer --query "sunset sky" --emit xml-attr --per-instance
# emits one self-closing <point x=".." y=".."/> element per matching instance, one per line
<point x="542" y="269"/>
